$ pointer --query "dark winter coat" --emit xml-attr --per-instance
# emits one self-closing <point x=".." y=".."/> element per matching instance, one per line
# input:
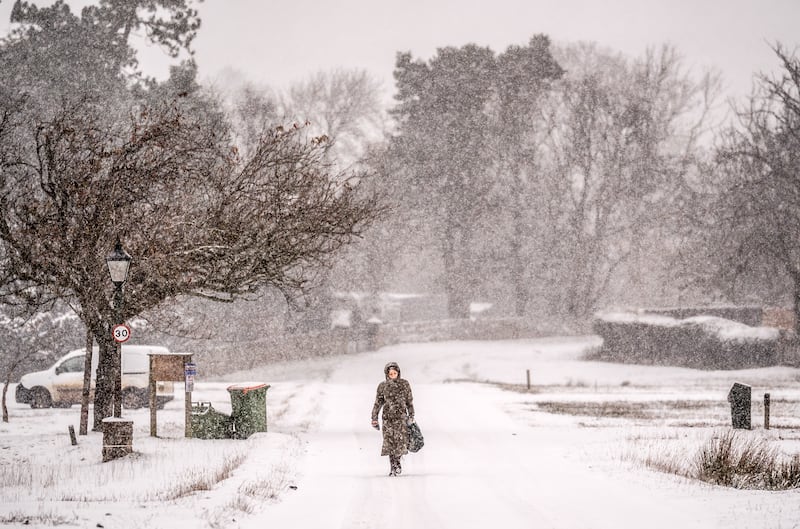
<point x="397" y="402"/>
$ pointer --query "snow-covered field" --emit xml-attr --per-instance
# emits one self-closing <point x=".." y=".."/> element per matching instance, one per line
<point x="568" y="453"/>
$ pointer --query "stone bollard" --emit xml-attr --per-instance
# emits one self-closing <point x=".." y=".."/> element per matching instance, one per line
<point x="117" y="438"/>
<point x="739" y="399"/>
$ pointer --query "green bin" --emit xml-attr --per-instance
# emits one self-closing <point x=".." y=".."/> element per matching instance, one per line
<point x="248" y="409"/>
<point x="208" y="423"/>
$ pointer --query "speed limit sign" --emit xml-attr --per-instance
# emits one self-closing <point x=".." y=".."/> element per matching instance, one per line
<point x="121" y="333"/>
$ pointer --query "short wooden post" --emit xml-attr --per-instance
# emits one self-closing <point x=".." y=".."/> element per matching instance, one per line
<point x="72" y="437"/>
<point x="528" y="374"/>
<point x="766" y="411"/>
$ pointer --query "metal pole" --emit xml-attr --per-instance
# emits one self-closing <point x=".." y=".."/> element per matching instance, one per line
<point x="118" y="300"/>
<point x="187" y="418"/>
<point x="151" y="390"/>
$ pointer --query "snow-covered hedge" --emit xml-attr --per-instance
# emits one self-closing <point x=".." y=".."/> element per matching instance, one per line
<point x="748" y="314"/>
<point x="706" y="342"/>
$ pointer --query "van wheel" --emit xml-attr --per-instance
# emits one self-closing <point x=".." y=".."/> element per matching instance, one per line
<point x="132" y="399"/>
<point x="40" y="398"/>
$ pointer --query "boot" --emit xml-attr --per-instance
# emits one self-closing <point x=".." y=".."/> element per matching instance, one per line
<point x="394" y="465"/>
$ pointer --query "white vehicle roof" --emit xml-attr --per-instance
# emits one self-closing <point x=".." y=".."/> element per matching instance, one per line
<point x="134" y="357"/>
<point x="126" y="349"/>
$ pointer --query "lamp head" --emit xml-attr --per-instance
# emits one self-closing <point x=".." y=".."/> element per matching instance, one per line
<point x="118" y="263"/>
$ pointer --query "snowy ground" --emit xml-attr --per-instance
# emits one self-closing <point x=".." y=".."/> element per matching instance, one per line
<point x="567" y="454"/>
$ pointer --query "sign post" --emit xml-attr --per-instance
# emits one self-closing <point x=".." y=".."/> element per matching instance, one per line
<point x="189" y="372"/>
<point x="121" y="334"/>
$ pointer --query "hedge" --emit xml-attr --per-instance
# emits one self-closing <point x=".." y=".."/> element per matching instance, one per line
<point x="705" y="342"/>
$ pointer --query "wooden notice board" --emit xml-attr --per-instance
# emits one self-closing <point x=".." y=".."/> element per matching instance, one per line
<point x="167" y="368"/>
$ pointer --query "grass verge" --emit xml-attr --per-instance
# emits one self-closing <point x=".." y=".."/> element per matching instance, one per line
<point x="732" y="460"/>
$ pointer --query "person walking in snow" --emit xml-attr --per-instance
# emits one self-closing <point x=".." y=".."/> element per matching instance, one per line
<point x="394" y="397"/>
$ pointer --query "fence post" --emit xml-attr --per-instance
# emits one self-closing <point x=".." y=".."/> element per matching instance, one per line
<point x="528" y="374"/>
<point x="766" y="411"/>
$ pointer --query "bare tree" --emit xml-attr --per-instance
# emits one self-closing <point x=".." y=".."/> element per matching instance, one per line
<point x="343" y="109"/>
<point x="751" y="231"/>
<point x="374" y="262"/>
<point x="525" y="75"/>
<point x="198" y="218"/>
<point x="623" y="141"/>
<point x="253" y="111"/>
<point x="344" y="105"/>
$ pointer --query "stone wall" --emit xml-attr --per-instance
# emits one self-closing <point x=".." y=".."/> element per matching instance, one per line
<point x="462" y="329"/>
<point x="215" y="358"/>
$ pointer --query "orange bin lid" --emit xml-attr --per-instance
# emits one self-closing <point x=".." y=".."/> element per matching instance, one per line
<point x="249" y="386"/>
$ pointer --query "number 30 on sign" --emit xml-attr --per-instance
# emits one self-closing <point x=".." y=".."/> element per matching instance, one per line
<point x="121" y="333"/>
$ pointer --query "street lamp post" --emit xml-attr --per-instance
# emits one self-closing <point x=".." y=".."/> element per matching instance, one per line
<point x="118" y="263"/>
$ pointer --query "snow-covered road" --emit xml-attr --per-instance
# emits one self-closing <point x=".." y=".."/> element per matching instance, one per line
<point x="481" y="466"/>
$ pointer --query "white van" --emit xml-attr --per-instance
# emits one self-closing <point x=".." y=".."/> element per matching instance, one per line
<point x="61" y="385"/>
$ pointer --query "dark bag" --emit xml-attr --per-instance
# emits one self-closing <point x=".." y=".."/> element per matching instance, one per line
<point x="415" y="439"/>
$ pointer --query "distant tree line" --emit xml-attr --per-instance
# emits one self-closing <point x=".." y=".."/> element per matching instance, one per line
<point x="561" y="180"/>
<point x="540" y="174"/>
<point x="558" y="180"/>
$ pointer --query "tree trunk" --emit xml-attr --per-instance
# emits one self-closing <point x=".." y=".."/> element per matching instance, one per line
<point x="518" y="264"/>
<point x="87" y="382"/>
<point x="521" y="288"/>
<point x="455" y="284"/>
<point x="5" y="391"/>
<point x="796" y="280"/>
<point x="104" y="384"/>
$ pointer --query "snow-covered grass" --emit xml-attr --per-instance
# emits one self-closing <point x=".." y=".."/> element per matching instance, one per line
<point x="588" y="445"/>
<point x="45" y="480"/>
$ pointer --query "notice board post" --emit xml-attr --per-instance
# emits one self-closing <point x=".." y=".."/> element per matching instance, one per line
<point x="189" y="371"/>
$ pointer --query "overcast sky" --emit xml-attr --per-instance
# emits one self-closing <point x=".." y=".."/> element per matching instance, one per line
<point x="277" y="42"/>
